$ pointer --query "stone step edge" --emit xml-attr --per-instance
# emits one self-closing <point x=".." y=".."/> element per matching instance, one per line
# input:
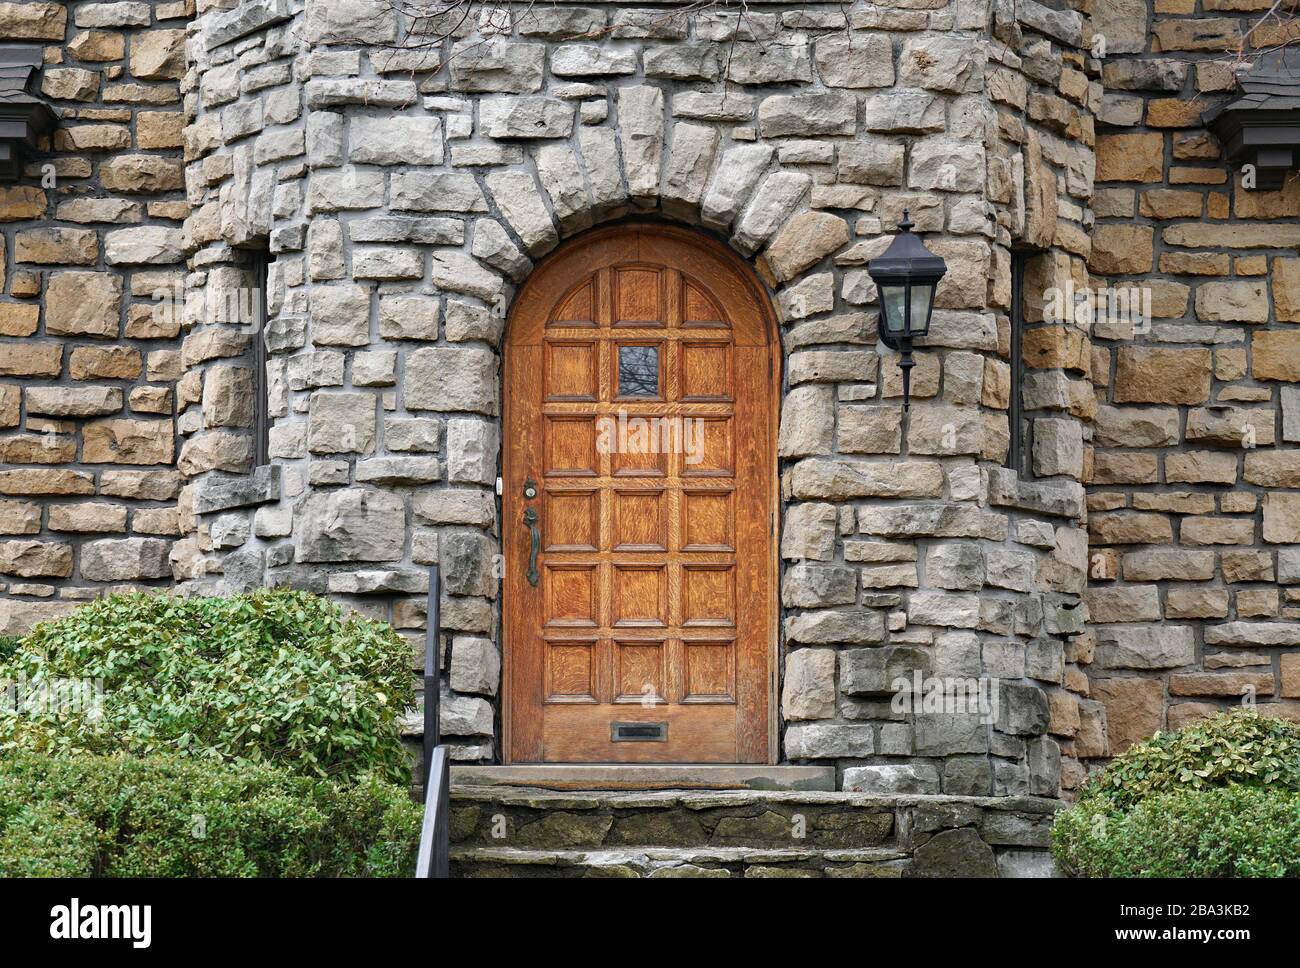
<point x="607" y="857"/>
<point x="543" y="799"/>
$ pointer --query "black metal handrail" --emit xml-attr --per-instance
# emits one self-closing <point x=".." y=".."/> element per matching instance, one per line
<point x="432" y="860"/>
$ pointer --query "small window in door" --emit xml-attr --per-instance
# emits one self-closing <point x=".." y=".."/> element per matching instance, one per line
<point x="638" y="371"/>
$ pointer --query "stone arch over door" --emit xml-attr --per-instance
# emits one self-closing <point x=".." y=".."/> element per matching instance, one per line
<point x="639" y="514"/>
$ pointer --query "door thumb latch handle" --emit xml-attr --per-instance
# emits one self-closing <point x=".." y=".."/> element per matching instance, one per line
<point x="530" y="521"/>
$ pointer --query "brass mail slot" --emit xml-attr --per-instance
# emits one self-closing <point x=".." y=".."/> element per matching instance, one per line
<point x="638" y="732"/>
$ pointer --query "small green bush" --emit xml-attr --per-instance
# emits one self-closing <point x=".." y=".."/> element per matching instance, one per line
<point x="277" y="677"/>
<point x="1242" y="748"/>
<point x="1231" y="831"/>
<point x="1220" y="798"/>
<point x="169" y="816"/>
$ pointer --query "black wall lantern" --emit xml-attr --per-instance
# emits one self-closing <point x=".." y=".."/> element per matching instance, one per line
<point x="906" y="276"/>
<point x="1261" y="127"/>
<point x="24" y="117"/>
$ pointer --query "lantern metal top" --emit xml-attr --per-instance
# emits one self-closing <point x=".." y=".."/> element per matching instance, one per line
<point x="907" y="259"/>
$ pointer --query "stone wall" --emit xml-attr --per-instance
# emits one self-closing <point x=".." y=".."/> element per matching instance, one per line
<point x="403" y="196"/>
<point x="1193" y="514"/>
<point x="88" y="358"/>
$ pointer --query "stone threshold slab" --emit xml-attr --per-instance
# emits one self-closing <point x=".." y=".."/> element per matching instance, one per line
<point x="624" y="776"/>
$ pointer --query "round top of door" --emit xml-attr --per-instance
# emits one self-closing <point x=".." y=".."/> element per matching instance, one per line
<point x="705" y="264"/>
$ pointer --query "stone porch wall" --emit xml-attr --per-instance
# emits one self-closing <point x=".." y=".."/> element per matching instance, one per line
<point x="88" y="482"/>
<point x="404" y="195"/>
<point x="1194" y="514"/>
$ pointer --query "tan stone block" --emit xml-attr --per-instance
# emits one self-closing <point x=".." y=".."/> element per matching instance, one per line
<point x="142" y="485"/>
<point x="1057" y="347"/>
<point x="1119" y="249"/>
<point x="1148" y="375"/>
<point x="1130" y="527"/>
<point x="151" y="321"/>
<point x="19" y="517"/>
<point x="1217" y="531"/>
<point x="37" y="449"/>
<point x="151" y="400"/>
<point x="1172" y="112"/>
<point x="1168" y="299"/>
<point x="70" y="84"/>
<point x="1183" y="603"/>
<point x="126" y="441"/>
<point x="1195" y="263"/>
<point x="97" y="46"/>
<point x="925" y="376"/>
<point x="1201" y="467"/>
<point x="1201" y="33"/>
<point x="10" y="404"/>
<point x="32" y="481"/>
<point x="1284" y="203"/>
<point x="1196" y="146"/>
<point x="216" y="450"/>
<point x="1221" y="684"/>
<point x="1231" y="426"/>
<point x="33" y="21"/>
<point x="1257" y="603"/>
<point x="158" y="54"/>
<point x="1130" y="157"/>
<point x="1282" y="518"/>
<point x="145" y="174"/>
<point x="1229" y="362"/>
<point x="1238" y="235"/>
<point x="1286" y="289"/>
<point x="1275" y="355"/>
<point x="1234" y="301"/>
<point x="227" y="397"/>
<point x="1280" y="468"/>
<point x="1120" y="467"/>
<point x="83" y="304"/>
<point x="1134" y="709"/>
<point x="1290" y="676"/>
<point x="1165" y="203"/>
<point x="163" y="521"/>
<point x="1183" y="175"/>
<point x="160" y="129"/>
<point x="30" y="359"/>
<point x="21" y="202"/>
<point x="35" y="559"/>
<point x="1216" y="205"/>
<point x="94" y="517"/>
<point x="19" y="319"/>
<point x="104" y="363"/>
<point x="1174" y="502"/>
<point x="78" y="247"/>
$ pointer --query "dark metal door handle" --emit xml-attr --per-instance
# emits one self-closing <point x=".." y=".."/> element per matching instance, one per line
<point x="530" y="520"/>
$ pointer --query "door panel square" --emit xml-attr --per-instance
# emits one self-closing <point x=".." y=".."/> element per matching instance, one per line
<point x="706" y="371"/>
<point x="717" y="456"/>
<point x="639" y="595"/>
<point x="638" y="297"/>
<point x="708" y="521"/>
<point x="637" y="447"/>
<point x="571" y="521"/>
<point x="710" y="672"/>
<point x="570" y="371"/>
<point x="570" y="446"/>
<point x="570" y="594"/>
<point x="708" y="595"/>
<point x="570" y="672"/>
<point x="640" y="521"/>
<point x="639" y="671"/>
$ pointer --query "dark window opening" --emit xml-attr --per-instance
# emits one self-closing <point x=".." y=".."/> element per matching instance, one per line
<point x="261" y="402"/>
<point x="1016" y="452"/>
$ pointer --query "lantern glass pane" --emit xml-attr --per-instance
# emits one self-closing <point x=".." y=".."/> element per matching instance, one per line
<point x="919" y="322"/>
<point x="893" y="301"/>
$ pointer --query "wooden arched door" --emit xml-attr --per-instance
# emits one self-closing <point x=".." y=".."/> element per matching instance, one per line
<point x="641" y="376"/>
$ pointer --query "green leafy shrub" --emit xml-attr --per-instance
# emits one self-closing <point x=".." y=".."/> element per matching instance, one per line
<point x="171" y="816"/>
<point x="9" y="645"/>
<point x="1228" y="748"/>
<point x="1220" y="798"/>
<point x="1231" y="831"/>
<point x="277" y="677"/>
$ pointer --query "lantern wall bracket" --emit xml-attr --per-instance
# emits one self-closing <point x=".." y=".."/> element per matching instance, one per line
<point x="24" y="115"/>
<point x="1261" y="127"/>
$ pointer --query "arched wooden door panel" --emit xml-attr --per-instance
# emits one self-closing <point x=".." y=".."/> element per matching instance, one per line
<point x="639" y="505"/>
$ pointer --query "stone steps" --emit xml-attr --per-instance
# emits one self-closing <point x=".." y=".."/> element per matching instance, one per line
<point x="503" y="831"/>
<point x="668" y="862"/>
